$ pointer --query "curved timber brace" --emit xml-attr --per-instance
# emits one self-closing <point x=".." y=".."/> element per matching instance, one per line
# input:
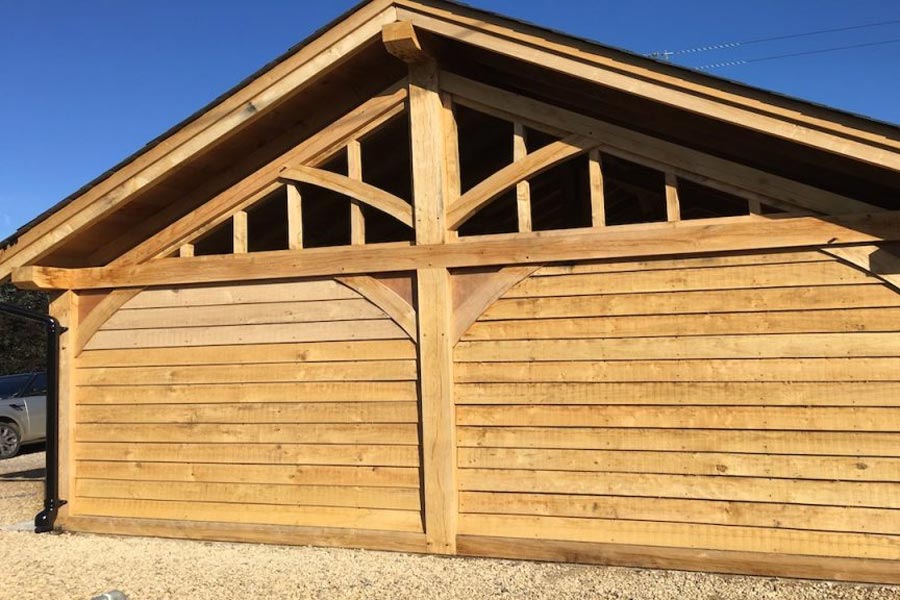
<point x="44" y="520"/>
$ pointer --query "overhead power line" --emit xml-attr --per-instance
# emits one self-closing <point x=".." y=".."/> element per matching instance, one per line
<point x="735" y="63"/>
<point x="729" y="45"/>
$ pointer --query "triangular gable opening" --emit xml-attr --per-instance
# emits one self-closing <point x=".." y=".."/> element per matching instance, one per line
<point x="358" y="193"/>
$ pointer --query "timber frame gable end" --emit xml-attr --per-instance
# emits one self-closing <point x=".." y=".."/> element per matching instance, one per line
<point x="413" y="32"/>
<point x="464" y="286"/>
<point x="571" y="136"/>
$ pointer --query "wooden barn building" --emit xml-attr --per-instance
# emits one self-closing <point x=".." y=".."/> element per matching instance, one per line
<point x="441" y="281"/>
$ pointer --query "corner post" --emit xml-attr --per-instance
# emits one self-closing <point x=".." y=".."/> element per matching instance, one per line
<point x="431" y="193"/>
<point x="65" y="309"/>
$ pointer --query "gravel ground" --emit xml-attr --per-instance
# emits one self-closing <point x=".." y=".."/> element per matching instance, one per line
<point x="21" y="488"/>
<point x="76" y="567"/>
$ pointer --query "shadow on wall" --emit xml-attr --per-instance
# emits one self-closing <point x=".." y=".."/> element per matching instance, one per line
<point x="886" y="260"/>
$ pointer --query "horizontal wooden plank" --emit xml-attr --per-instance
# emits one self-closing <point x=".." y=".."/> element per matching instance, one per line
<point x="849" y="418"/>
<point x="683" y="559"/>
<point x="305" y="391"/>
<point x="811" y="345"/>
<point x="380" y="329"/>
<point x="671" y="303"/>
<point x="800" y="369"/>
<point x="241" y="493"/>
<point x="756" y="442"/>
<point x="662" y="325"/>
<point x="275" y="454"/>
<point x="710" y="512"/>
<point x="827" y="272"/>
<point x="849" y="468"/>
<point x="264" y="292"/>
<point x="385" y="370"/>
<point x="263" y="313"/>
<point x="318" y="516"/>
<point x="664" y="239"/>
<point x="250" y="353"/>
<point x="684" y="535"/>
<point x="244" y="533"/>
<point x="698" y="487"/>
<point x="366" y="476"/>
<point x="767" y="393"/>
<point x="695" y="262"/>
<point x="318" y="412"/>
<point x="363" y="433"/>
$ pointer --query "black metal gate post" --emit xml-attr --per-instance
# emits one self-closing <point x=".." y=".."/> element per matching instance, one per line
<point x="45" y="519"/>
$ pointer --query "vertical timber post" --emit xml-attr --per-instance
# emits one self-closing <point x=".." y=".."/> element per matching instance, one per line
<point x="431" y="192"/>
<point x="65" y="309"/>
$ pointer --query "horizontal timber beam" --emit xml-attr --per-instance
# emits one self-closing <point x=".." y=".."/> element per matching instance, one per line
<point x="370" y="539"/>
<point x="663" y="239"/>
<point x="683" y="559"/>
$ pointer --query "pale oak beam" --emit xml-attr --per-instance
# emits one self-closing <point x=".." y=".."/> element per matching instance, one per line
<point x="644" y="159"/>
<point x="65" y="309"/>
<point x="534" y="164"/>
<point x="217" y="125"/>
<point x="400" y="40"/>
<point x="598" y="194"/>
<point x="92" y="322"/>
<point x="451" y="162"/>
<point x="357" y="190"/>
<point x="673" y="205"/>
<point x="523" y="188"/>
<point x="732" y="234"/>
<point x="239" y="221"/>
<point x="611" y="138"/>
<point x="294" y="217"/>
<point x="431" y="191"/>
<point x="354" y="171"/>
<point x="365" y="118"/>
<point x="581" y="61"/>
<point x="382" y="296"/>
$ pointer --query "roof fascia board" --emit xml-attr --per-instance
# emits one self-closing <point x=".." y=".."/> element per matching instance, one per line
<point x="766" y="112"/>
<point x="224" y="119"/>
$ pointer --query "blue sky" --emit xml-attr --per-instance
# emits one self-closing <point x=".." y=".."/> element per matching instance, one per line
<point x="85" y="84"/>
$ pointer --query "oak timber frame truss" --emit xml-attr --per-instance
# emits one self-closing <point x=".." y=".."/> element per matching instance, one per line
<point x="851" y="229"/>
<point x="848" y="221"/>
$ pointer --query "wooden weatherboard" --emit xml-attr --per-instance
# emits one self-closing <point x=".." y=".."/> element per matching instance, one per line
<point x="456" y="319"/>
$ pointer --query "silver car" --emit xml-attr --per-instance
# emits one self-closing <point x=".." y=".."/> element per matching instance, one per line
<point x="23" y="411"/>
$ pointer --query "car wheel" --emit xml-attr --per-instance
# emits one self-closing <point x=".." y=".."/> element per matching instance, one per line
<point x="10" y="440"/>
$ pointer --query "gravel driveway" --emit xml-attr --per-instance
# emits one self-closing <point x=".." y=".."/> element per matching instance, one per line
<point x="77" y="567"/>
